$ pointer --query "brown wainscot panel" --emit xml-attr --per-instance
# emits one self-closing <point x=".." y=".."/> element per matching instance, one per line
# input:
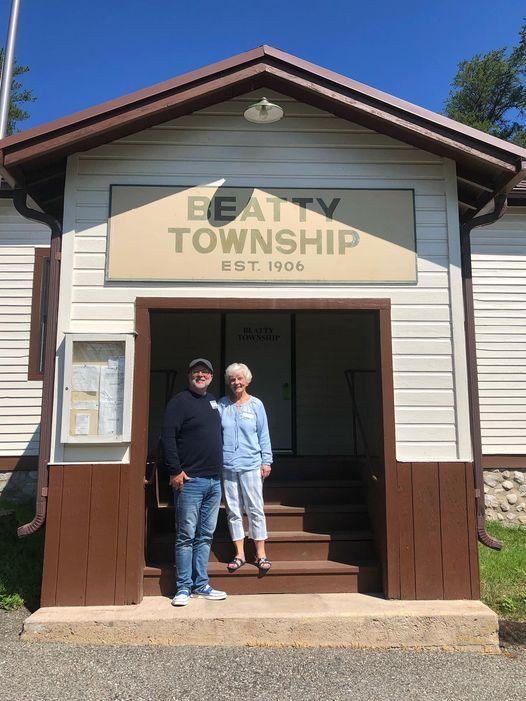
<point x="86" y="534"/>
<point x="438" y="540"/>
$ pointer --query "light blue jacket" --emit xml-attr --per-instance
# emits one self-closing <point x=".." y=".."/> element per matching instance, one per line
<point x="246" y="439"/>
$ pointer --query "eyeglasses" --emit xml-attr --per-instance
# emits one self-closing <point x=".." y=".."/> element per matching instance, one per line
<point x="201" y="372"/>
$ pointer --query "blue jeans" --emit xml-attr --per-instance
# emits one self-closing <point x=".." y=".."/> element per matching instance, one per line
<point x="196" y="511"/>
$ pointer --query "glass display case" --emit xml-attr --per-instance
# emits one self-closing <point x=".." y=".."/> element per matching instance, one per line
<point x="97" y="388"/>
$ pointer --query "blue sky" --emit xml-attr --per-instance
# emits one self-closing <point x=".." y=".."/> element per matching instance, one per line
<point x="84" y="52"/>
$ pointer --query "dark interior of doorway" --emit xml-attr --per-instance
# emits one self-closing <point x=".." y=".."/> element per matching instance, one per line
<point x="319" y="373"/>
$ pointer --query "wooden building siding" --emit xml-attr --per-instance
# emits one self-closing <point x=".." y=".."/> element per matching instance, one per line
<point x="307" y="148"/>
<point x="85" y="562"/>
<point x="93" y="551"/>
<point x="20" y="399"/>
<point x="499" y="287"/>
<point x="437" y="533"/>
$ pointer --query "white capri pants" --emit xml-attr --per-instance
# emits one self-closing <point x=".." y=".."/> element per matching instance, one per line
<point x="245" y="489"/>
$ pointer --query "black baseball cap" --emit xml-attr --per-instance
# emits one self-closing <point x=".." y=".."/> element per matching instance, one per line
<point x="200" y="361"/>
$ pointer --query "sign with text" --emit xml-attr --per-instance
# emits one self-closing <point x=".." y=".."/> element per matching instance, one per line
<point x="263" y="342"/>
<point x="227" y="234"/>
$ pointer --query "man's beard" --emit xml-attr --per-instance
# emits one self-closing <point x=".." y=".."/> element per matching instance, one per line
<point x="204" y="385"/>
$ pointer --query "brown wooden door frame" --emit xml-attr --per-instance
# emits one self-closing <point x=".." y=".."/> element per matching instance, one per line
<point x="140" y="410"/>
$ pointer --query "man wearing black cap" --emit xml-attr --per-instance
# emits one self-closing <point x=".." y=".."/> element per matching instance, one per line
<point x="193" y="455"/>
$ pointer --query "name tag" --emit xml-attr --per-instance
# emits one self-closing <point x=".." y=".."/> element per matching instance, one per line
<point x="247" y="415"/>
<point x="213" y="404"/>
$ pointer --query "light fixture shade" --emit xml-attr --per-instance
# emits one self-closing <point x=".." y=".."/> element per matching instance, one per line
<point x="263" y="112"/>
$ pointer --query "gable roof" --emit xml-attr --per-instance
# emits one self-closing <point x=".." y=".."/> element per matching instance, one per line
<point x="36" y="159"/>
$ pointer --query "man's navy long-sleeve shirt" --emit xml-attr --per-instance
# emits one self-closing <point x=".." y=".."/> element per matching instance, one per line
<point x="191" y="435"/>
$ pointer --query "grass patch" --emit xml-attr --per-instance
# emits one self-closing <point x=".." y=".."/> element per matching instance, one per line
<point x="503" y="574"/>
<point x="21" y="559"/>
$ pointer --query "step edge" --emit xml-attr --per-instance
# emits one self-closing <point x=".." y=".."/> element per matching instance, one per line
<point x="294" y="567"/>
<point x="308" y="508"/>
<point x="284" y="537"/>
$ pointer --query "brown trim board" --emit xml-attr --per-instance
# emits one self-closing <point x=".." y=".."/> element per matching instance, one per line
<point x="260" y="303"/>
<point x="391" y="561"/>
<point x="33" y="371"/>
<point x="18" y="463"/>
<point x="134" y="547"/>
<point x="386" y="492"/>
<point x="504" y="462"/>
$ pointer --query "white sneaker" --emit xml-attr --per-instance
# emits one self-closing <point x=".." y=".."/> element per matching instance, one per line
<point x="181" y="598"/>
<point x="209" y="593"/>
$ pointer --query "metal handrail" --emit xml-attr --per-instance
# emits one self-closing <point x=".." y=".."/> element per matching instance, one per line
<point x="357" y="418"/>
<point x="152" y="461"/>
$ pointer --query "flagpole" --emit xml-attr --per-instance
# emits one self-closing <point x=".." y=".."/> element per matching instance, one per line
<point x="7" y="70"/>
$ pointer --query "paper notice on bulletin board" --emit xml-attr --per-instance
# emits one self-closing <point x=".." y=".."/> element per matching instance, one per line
<point x="111" y="400"/>
<point x="85" y="378"/>
<point x="81" y="424"/>
<point x="117" y="362"/>
<point x="89" y="405"/>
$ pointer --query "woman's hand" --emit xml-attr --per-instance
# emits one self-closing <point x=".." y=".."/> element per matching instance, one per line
<point x="265" y="471"/>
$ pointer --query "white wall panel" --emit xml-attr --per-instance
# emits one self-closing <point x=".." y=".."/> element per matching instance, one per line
<point x="308" y="148"/>
<point x="499" y="286"/>
<point x="20" y="400"/>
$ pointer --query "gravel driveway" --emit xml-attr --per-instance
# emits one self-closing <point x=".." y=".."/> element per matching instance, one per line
<point x="45" y="672"/>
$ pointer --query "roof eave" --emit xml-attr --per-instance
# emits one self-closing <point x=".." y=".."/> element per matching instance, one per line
<point x="487" y="163"/>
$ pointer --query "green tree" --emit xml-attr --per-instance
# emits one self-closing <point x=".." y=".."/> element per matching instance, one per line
<point x="489" y="92"/>
<point x="20" y="97"/>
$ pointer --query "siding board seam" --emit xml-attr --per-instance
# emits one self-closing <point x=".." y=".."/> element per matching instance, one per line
<point x="88" y="539"/>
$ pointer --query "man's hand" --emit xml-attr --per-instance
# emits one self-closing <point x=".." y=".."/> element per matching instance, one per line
<point x="177" y="481"/>
<point x="265" y="471"/>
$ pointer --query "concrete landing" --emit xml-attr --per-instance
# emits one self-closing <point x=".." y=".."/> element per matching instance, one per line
<point x="275" y="620"/>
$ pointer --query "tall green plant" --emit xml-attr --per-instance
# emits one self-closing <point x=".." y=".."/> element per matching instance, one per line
<point x="20" y="97"/>
<point x="489" y="92"/>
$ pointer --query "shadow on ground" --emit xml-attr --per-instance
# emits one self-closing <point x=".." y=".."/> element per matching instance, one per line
<point x="512" y="632"/>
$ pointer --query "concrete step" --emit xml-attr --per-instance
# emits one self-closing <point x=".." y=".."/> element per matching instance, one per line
<point x="264" y="620"/>
<point x="299" y="577"/>
<point x="341" y="546"/>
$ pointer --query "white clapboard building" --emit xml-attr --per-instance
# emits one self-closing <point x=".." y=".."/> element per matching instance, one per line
<point x="330" y="251"/>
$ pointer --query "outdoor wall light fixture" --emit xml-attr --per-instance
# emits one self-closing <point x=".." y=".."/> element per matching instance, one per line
<point x="263" y="112"/>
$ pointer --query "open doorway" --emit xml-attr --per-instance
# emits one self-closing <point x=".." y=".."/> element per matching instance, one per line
<point x="319" y="374"/>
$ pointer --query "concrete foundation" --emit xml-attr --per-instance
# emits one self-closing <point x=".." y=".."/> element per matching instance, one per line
<point x="296" y="620"/>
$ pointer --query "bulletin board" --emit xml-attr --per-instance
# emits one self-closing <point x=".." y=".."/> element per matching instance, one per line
<point x="96" y="390"/>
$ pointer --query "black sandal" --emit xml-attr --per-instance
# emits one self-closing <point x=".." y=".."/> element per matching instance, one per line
<point x="263" y="564"/>
<point x="235" y="564"/>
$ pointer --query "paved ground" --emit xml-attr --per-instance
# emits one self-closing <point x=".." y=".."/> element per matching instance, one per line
<point x="45" y="672"/>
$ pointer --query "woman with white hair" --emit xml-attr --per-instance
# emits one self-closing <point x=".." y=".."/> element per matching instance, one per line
<point x="247" y="459"/>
